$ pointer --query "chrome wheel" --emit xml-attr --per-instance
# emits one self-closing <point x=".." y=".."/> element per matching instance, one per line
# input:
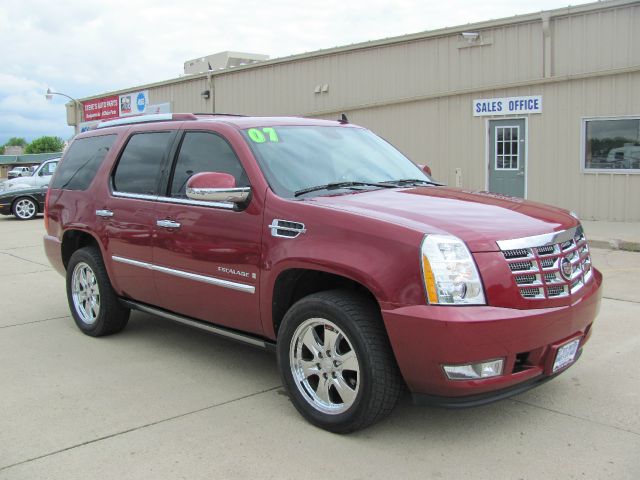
<point x="325" y="366"/>
<point x="25" y="208"/>
<point x="85" y="293"/>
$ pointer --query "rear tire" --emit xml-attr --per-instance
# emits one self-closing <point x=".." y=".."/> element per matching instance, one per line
<point x="336" y="362"/>
<point x="94" y="304"/>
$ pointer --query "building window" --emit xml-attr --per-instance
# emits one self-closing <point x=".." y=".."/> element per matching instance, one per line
<point x="612" y="145"/>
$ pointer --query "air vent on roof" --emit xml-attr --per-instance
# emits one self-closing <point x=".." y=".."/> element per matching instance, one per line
<point x="222" y="61"/>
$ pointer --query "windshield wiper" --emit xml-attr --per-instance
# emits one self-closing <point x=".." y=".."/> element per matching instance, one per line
<point x="412" y="181"/>
<point x="339" y="185"/>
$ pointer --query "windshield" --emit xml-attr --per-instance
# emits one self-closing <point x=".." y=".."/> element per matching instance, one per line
<point x="295" y="158"/>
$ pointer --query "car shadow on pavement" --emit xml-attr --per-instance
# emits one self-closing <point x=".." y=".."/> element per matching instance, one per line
<point x="213" y="353"/>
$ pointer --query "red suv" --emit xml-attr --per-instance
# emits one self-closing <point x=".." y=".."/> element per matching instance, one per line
<point x="321" y="241"/>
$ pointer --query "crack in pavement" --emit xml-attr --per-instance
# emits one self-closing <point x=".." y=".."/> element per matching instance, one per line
<point x="25" y="259"/>
<point x="34" y="321"/>
<point x="622" y="300"/>
<point x="25" y="273"/>
<point x="18" y="248"/>
<point x="633" y="432"/>
<point x="139" y="427"/>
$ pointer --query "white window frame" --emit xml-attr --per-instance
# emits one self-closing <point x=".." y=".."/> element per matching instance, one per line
<point x="495" y="148"/>
<point x="583" y="145"/>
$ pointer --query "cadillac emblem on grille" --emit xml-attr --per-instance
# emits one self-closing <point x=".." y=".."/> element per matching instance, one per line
<point x="566" y="268"/>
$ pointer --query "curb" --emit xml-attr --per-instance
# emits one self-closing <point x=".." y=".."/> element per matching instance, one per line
<point x="615" y="244"/>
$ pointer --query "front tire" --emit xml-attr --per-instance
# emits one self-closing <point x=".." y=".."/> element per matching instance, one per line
<point x="94" y="304"/>
<point x="336" y="362"/>
<point x="25" y="208"/>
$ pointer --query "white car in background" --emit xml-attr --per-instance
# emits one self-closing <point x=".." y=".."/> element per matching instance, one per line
<point x="40" y="177"/>
<point x="19" y="172"/>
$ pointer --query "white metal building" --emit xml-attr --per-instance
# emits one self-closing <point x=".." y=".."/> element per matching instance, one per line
<point x="544" y="106"/>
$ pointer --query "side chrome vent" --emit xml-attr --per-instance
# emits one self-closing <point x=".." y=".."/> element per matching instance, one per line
<point x="286" y="228"/>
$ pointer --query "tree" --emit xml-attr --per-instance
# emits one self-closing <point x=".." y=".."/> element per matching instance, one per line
<point x="45" y="144"/>
<point x="16" y="142"/>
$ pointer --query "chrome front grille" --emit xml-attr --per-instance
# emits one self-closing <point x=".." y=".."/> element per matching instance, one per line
<point x="520" y="266"/>
<point x="557" y="266"/>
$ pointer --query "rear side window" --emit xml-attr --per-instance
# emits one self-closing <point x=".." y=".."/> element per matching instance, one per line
<point x="81" y="163"/>
<point x="141" y="161"/>
<point x="204" y="152"/>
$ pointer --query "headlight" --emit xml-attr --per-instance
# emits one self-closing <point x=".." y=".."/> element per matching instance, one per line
<point x="450" y="274"/>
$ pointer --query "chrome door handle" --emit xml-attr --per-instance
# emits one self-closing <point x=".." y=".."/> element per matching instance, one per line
<point x="167" y="224"/>
<point x="104" y="213"/>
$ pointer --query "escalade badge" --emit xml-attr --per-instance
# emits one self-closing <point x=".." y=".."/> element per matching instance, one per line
<point x="566" y="268"/>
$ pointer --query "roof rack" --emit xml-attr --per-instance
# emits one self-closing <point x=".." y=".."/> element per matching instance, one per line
<point x="221" y="114"/>
<point x="155" y="117"/>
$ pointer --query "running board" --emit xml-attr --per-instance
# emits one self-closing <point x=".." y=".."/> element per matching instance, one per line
<point x="207" y="327"/>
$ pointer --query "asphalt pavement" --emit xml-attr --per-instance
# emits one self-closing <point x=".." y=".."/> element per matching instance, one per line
<point x="163" y="401"/>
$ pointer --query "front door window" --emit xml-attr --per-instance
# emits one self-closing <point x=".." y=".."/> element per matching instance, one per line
<point x="507" y="147"/>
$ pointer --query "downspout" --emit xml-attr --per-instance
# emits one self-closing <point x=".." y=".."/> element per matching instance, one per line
<point x="546" y="45"/>
<point x="212" y="93"/>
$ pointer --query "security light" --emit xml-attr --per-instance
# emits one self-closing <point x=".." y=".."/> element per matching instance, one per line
<point x="471" y="37"/>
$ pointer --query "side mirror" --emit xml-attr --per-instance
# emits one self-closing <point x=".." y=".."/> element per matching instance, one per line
<point x="216" y="187"/>
<point x="426" y="169"/>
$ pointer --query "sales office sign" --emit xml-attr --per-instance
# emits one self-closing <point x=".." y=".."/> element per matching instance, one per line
<point x="507" y="106"/>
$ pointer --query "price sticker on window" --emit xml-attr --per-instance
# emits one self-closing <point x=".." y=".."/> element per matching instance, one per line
<point x="261" y="135"/>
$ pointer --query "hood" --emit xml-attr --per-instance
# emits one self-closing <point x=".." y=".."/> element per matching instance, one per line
<point x="18" y="182"/>
<point x="478" y="218"/>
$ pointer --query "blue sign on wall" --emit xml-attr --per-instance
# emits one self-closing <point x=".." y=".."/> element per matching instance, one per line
<point x="141" y="102"/>
<point x="507" y="106"/>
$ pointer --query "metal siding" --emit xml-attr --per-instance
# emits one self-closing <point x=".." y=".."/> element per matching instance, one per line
<point x="385" y="73"/>
<point x="600" y="40"/>
<point x="184" y="97"/>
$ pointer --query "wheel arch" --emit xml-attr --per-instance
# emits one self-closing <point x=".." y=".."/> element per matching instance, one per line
<point x="74" y="239"/>
<point x="292" y="284"/>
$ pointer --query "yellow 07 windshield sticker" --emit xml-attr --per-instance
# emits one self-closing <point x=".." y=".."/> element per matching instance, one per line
<point x="261" y="135"/>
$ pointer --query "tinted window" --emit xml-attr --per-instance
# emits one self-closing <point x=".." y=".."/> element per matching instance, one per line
<point x="612" y="144"/>
<point x="81" y="162"/>
<point x="204" y="152"/>
<point x="140" y="163"/>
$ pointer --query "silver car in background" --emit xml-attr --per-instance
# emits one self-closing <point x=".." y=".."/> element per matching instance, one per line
<point x="40" y="177"/>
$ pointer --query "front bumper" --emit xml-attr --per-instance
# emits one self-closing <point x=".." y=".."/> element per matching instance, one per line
<point x="5" y="209"/>
<point x="425" y="337"/>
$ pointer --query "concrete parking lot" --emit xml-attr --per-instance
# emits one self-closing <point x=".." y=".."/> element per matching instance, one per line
<point x="163" y="401"/>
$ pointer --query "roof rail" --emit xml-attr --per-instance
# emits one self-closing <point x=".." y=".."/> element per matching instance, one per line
<point x="221" y="114"/>
<point x="155" y="117"/>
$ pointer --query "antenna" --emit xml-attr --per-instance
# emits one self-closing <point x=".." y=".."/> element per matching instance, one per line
<point x="343" y="119"/>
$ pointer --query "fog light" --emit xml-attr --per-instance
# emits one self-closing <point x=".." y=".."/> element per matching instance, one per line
<point x="474" y="371"/>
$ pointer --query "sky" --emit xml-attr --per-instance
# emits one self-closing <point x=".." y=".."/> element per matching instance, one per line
<point x="89" y="47"/>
